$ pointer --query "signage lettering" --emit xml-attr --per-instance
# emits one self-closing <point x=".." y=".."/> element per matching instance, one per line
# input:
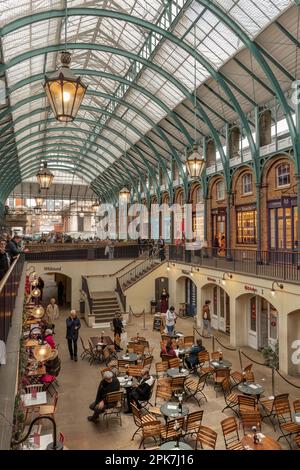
<point x="211" y="279"/>
<point x="250" y="288"/>
<point x="52" y="268"/>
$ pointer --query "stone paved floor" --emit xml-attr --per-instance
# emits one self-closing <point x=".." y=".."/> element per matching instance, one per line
<point x="79" y="382"/>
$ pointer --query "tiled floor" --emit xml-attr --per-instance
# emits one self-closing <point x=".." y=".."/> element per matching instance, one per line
<point x="79" y="382"/>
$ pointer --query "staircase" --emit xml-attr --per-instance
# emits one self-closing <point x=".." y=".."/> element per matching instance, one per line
<point x="104" y="307"/>
<point x="138" y="272"/>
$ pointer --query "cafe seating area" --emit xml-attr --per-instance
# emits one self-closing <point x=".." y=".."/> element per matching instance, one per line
<point x="218" y="405"/>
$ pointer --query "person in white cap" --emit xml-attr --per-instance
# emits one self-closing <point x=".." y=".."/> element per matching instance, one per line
<point x="109" y="384"/>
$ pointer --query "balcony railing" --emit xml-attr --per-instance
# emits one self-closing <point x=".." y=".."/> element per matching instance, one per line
<point x="9" y="285"/>
<point x="274" y="265"/>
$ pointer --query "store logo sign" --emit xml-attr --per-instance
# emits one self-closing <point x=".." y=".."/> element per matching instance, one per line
<point x="250" y="288"/>
<point x="211" y="279"/>
<point x="52" y="268"/>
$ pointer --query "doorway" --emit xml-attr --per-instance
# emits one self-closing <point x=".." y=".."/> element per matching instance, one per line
<point x="262" y="323"/>
<point x="221" y="309"/>
<point x="59" y="286"/>
<point x="160" y="284"/>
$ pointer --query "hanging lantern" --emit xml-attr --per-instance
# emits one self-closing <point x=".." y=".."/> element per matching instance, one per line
<point x="124" y="194"/>
<point x="65" y="92"/>
<point x="95" y="206"/>
<point x="38" y="311"/>
<point x="36" y="293"/>
<point x="195" y="163"/>
<point x="39" y="201"/>
<point x="81" y="214"/>
<point x="34" y="283"/>
<point x="44" y="177"/>
<point x="37" y="210"/>
<point x="42" y="352"/>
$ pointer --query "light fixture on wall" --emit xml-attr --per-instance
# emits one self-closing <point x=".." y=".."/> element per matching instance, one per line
<point x="36" y="293"/>
<point x="42" y="352"/>
<point x="39" y="200"/>
<point x="38" y="311"/>
<point x="226" y="276"/>
<point x="168" y="266"/>
<point x="195" y="162"/>
<point x="64" y="91"/>
<point x="276" y="283"/>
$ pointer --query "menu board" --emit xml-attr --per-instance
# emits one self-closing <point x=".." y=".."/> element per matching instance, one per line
<point x="157" y="321"/>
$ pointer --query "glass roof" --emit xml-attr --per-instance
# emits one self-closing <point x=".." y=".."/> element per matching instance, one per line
<point x="113" y="111"/>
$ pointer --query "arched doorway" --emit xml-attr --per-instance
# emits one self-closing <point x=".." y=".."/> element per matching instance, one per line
<point x="293" y="343"/>
<point x="219" y="307"/>
<point x="62" y="295"/>
<point x="257" y="321"/>
<point x="186" y="296"/>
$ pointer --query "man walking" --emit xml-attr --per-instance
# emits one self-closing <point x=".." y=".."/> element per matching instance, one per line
<point x="206" y="318"/>
<point x="170" y="320"/>
<point x="73" y="325"/>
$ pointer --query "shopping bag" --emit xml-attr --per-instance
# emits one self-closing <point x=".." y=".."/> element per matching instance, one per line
<point x="124" y="337"/>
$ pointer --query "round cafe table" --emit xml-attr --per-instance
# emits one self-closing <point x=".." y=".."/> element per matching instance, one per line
<point x="131" y="357"/>
<point x="224" y="364"/>
<point x="174" y="372"/>
<point x="171" y="410"/>
<point x="267" y="443"/>
<point x="172" y="445"/>
<point x="251" y="389"/>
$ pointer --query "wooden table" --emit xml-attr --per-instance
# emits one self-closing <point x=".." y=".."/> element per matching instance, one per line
<point x="138" y="339"/>
<point x="268" y="443"/>
<point x="33" y="372"/>
<point x="31" y="343"/>
<point x="224" y="364"/>
<point x="99" y="341"/>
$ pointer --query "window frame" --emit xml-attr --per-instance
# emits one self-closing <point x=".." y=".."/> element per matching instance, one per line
<point x="286" y="185"/>
<point x="244" y="176"/>
<point x="240" y="231"/>
<point x="218" y="183"/>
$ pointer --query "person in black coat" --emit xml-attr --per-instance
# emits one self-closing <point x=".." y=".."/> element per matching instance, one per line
<point x="4" y="259"/>
<point x="40" y="286"/>
<point x="73" y="325"/>
<point x="109" y="384"/>
<point x="140" y="392"/>
<point x="12" y="246"/>
<point x="118" y="329"/>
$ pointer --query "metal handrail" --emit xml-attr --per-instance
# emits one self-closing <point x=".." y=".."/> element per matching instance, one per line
<point x="126" y="278"/>
<point x="8" y="273"/>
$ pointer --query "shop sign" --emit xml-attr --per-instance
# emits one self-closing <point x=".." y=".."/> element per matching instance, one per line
<point x="185" y="271"/>
<point x="250" y="288"/>
<point x="249" y="207"/>
<point x="52" y="268"/>
<point x="211" y="279"/>
<point x="286" y="201"/>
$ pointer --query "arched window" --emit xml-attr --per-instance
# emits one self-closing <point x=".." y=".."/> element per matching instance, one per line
<point x="220" y="190"/>
<point x="283" y="175"/>
<point x="247" y="184"/>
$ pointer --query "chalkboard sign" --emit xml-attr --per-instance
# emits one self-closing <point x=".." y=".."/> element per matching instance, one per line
<point x="157" y="321"/>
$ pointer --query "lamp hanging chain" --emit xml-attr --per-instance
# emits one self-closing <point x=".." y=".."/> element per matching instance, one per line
<point x="195" y="85"/>
<point x="66" y="21"/>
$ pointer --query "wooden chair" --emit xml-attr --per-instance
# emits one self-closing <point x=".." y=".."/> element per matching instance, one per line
<point x="250" y="419"/>
<point x="169" y="433"/>
<point x="113" y="406"/>
<point x="231" y="434"/>
<point x="138" y="348"/>
<point x="93" y="353"/>
<point x="36" y="387"/>
<point x="177" y="384"/>
<point x="188" y="341"/>
<point x="147" y="401"/>
<point x="296" y="406"/>
<point x="145" y="343"/>
<point x="215" y="356"/>
<point x="193" y="423"/>
<point x="247" y="404"/>
<point x="204" y="363"/>
<point x="231" y="398"/>
<point x="268" y="406"/>
<point x="140" y="419"/>
<point x="147" y="361"/>
<point x="237" y="376"/>
<point x="174" y="362"/>
<point x="135" y="371"/>
<point x="286" y="424"/>
<point x="151" y="429"/>
<point x="85" y="350"/>
<point x="194" y="386"/>
<point x="206" y="437"/>
<point x="165" y="358"/>
<point x="123" y="366"/>
<point x="161" y="368"/>
<point x="297" y="441"/>
<point x="219" y="376"/>
<point x="163" y="390"/>
<point x="49" y="410"/>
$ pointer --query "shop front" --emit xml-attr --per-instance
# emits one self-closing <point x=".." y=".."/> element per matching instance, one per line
<point x="219" y="228"/>
<point x="262" y="323"/>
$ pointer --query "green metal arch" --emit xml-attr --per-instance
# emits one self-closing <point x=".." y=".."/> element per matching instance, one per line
<point x="252" y="46"/>
<point x="98" y="73"/>
<point x="133" y="57"/>
<point x="166" y="34"/>
<point x="98" y="110"/>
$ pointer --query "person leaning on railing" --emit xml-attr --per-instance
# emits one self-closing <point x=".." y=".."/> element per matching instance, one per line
<point x="4" y="259"/>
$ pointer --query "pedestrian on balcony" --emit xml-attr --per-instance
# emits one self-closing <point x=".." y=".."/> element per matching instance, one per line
<point x="4" y="259"/>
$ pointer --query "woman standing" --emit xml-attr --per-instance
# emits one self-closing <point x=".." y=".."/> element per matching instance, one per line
<point x="164" y="301"/>
<point x="52" y="313"/>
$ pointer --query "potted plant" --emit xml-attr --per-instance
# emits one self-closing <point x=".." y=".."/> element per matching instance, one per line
<point x="271" y="355"/>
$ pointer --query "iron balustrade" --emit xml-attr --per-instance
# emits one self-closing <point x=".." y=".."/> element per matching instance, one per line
<point x="74" y="254"/>
<point x="277" y="265"/>
<point x="85" y="288"/>
<point x="9" y="285"/>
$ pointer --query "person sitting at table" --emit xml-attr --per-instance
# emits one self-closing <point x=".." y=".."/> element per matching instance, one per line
<point x="49" y="338"/>
<point x="168" y="350"/>
<point x="140" y="391"/>
<point x="192" y="360"/>
<point x="109" y="384"/>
